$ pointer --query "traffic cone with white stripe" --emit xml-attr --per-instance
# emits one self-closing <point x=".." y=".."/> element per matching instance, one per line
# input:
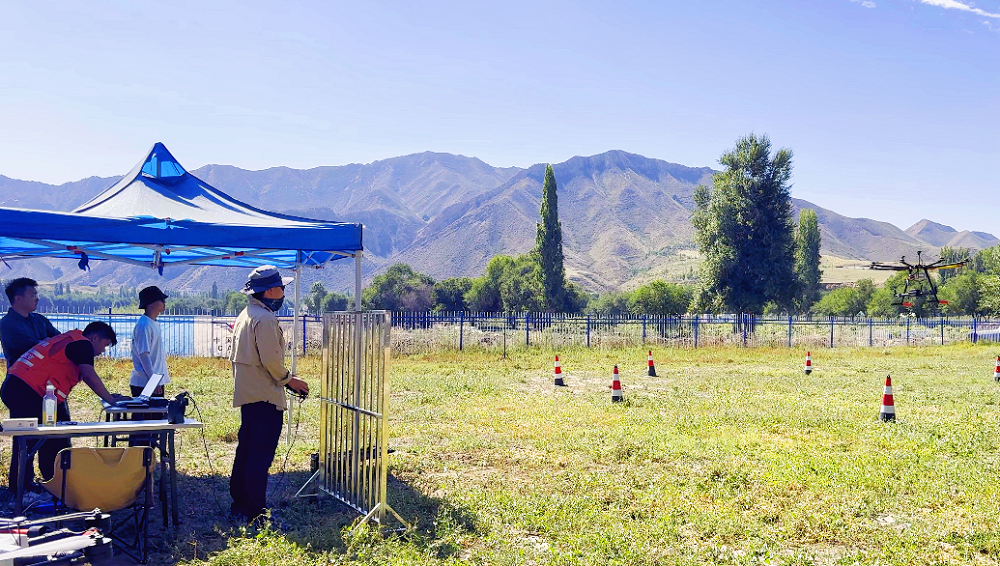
<point x="996" y="372"/>
<point x="809" y="364"/>
<point x="558" y="374"/>
<point x="888" y="412"/>
<point x="649" y="362"/>
<point x="616" y="388"/>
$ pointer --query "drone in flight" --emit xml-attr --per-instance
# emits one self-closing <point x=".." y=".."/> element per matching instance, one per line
<point x="918" y="287"/>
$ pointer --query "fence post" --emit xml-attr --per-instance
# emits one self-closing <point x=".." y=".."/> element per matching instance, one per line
<point x="588" y="330"/>
<point x="527" y="331"/>
<point x="461" y="329"/>
<point x="870" y="324"/>
<point x="789" y="331"/>
<point x="907" y="331"/>
<point x="303" y="334"/>
<point x="942" y="330"/>
<point x="643" y="329"/>
<point x="695" y="331"/>
<point x="975" y="335"/>
<point x="831" y="332"/>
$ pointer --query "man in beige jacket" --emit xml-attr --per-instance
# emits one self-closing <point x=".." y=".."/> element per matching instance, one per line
<point x="258" y="358"/>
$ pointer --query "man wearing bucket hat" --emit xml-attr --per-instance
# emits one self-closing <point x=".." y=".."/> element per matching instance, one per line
<point x="258" y="359"/>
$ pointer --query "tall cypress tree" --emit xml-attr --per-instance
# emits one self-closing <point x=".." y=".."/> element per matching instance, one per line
<point x="807" y="247"/>
<point x="548" y="246"/>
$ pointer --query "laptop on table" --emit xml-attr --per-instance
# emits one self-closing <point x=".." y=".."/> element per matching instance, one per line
<point x="146" y="399"/>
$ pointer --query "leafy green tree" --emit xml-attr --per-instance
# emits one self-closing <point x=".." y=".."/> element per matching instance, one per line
<point x="988" y="260"/>
<point x="807" y="246"/>
<point x="610" y="304"/>
<point x="952" y="255"/>
<point x="744" y="231"/>
<point x="576" y="298"/>
<point x="484" y="293"/>
<point x="215" y="290"/>
<point x="548" y="246"/>
<point x="962" y="292"/>
<point x="510" y="284"/>
<point x="521" y="289"/>
<point x="400" y="288"/>
<point x="989" y="294"/>
<point x="334" y="302"/>
<point x="448" y="295"/>
<point x="317" y="294"/>
<point x="846" y="301"/>
<point x="660" y="298"/>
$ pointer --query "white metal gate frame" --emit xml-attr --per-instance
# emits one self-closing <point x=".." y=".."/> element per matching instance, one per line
<point x="353" y="466"/>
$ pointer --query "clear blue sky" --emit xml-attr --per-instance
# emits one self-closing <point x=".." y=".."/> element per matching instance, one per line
<point x="892" y="107"/>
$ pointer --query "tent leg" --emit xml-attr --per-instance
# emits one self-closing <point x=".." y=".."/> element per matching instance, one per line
<point x="357" y="281"/>
<point x="295" y="344"/>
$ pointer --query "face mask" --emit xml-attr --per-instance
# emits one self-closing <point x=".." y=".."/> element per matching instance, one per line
<point x="273" y="304"/>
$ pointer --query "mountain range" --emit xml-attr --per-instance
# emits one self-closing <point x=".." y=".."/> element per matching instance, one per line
<point x="625" y="218"/>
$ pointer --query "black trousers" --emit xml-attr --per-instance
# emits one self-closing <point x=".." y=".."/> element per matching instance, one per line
<point x="23" y="402"/>
<point x="260" y="429"/>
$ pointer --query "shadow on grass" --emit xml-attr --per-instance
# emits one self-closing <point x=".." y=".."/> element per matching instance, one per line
<point x="320" y="523"/>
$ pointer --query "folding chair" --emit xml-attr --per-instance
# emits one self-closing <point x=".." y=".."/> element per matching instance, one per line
<point x="109" y="479"/>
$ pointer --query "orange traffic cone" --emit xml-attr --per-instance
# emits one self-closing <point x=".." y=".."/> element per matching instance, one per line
<point x="996" y="372"/>
<point x="649" y="362"/>
<point x="558" y="374"/>
<point x="616" y="388"/>
<point x="888" y="408"/>
<point x="809" y="364"/>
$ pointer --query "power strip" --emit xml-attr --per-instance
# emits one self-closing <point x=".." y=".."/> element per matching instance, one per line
<point x="20" y="424"/>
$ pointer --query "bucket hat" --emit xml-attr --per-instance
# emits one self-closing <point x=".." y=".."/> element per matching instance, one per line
<point x="263" y="278"/>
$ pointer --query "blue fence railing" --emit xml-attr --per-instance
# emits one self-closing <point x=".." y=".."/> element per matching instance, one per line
<point x="419" y="332"/>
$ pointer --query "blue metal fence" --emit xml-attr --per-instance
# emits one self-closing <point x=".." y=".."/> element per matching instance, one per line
<point x="419" y="332"/>
<point x="424" y="332"/>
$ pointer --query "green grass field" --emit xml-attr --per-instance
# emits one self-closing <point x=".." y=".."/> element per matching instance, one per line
<point x="730" y="456"/>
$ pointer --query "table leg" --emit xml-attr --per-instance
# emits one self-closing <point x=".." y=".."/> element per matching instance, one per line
<point x="163" y="477"/>
<point x="22" y="460"/>
<point x="173" y="479"/>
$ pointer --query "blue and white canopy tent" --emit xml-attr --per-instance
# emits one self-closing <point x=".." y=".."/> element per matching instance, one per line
<point x="160" y="215"/>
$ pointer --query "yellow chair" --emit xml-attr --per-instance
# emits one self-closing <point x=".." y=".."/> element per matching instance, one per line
<point x="109" y="479"/>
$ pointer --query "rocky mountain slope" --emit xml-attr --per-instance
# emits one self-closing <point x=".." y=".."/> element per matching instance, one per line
<point x="625" y="217"/>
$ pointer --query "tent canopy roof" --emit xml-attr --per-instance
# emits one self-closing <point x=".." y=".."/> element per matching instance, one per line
<point x="160" y="214"/>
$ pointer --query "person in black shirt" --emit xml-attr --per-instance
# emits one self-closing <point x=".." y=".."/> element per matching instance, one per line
<point x="21" y="328"/>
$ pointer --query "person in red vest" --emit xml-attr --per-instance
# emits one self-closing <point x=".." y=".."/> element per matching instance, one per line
<point x="63" y="361"/>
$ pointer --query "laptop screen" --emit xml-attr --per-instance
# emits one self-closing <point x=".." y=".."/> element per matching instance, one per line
<point x="151" y="385"/>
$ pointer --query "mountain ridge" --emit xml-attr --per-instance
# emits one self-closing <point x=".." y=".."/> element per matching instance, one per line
<point x="625" y="216"/>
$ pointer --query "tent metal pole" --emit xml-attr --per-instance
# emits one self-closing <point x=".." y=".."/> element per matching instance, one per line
<point x="357" y="281"/>
<point x="295" y="316"/>
<point x="295" y="343"/>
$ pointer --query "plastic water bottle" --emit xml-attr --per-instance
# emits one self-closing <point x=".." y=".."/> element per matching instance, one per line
<point x="49" y="406"/>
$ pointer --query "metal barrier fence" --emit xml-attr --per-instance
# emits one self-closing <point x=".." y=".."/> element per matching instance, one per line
<point x="423" y="332"/>
<point x="353" y="410"/>
<point x="427" y="332"/>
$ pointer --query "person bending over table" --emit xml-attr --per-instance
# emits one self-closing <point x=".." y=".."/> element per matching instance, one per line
<point x="258" y="359"/>
<point x="63" y="361"/>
